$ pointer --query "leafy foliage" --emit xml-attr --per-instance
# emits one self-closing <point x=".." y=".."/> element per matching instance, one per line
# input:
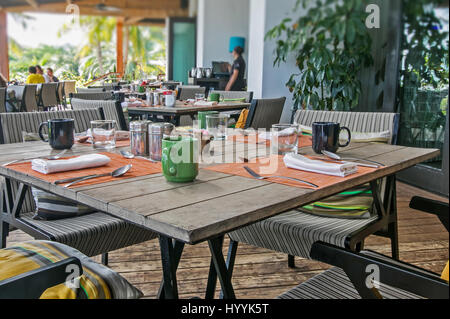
<point x="331" y="45"/>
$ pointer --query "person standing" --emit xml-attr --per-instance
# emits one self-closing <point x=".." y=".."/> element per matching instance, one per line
<point x="51" y="76"/>
<point x="34" y="77"/>
<point x="237" y="71"/>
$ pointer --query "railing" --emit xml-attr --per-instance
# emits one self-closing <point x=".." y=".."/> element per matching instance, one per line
<point x="104" y="76"/>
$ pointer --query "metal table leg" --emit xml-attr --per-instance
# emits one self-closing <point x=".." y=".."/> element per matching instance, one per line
<point x="168" y="266"/>
<point x="177" y="252"/>
<point x="221" y="271"/>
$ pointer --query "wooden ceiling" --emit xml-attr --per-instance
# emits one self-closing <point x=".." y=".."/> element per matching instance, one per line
<point x="133" y="11"/>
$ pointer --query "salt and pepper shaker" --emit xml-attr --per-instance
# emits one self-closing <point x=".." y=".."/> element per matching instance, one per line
<point x="139" y="138"/>
<point x="156" y="133"/>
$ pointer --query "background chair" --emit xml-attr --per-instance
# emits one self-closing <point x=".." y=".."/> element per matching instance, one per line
<point x="112" y="110"/>
<point x="397" y="279"/>
<point x="69" y="87"/>
<point x="104" y="96"/>
<point x="29" y="100"/>
<point x="92" y="234"/>
<point x="236" y="95"/>
<point x="294" y="232"/>
<point x="171" y="85"/>
<point x="48" y="95"/>
<point x="89" y="90"/>
<point x="61" y="96"/>
<point x="2" y="100"/>
<point x="189" y="93"/>
<point x="264" y="113"/>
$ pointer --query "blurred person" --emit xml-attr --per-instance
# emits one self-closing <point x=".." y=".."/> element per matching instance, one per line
<point x="40" y="71"/>
<point x="34" y="77"/>
<point x="4" y="84"/>
<point x="237" y="71"/>
<point x="51" y="76"/>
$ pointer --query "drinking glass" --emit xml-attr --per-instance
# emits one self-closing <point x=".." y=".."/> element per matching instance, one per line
<point x="216" y="125"/>
<point x="199" y="97"/>
<point x="284" y="138"/>
<point x="103" y="134"/>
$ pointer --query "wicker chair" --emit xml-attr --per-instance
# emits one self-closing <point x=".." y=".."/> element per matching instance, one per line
<point x="264" y="113"/>
<point x="294" y="232"/>
<point x="48" y="95"/>
<point x="61" y="95"/>
<point x="347" y="279"/>
<point x="2" y="100"/>
<point x="88" y="90"/>
<point x="99" y="96"/>
<point x="234" y="95"/>
<point x="69" y="87"/>
<point x="92" y="234"/>
<point x="189" y="93"/>
<point x="29" y="100"/>
<point x="112" y="110"/>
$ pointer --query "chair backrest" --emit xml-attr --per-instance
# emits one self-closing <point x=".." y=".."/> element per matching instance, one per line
<point x="29" y="101"/>
<point x="236" y="95"/>
<point x="88" y="90"/>
<point x="363" y="122"/>
<point x="61" y="92"/>
<point x="189" y="93"/>
<point x="264" y="113"/>
<point x="69" y="87"/>
<point x="2" y="100"/>
<point x="18" y="91"/>
<point x="13" y="124"/>
<point x="112" y="110"/>
<point x="93" y="96"/>
<point x="171" y="84"/>
<point x="49" y="94"/>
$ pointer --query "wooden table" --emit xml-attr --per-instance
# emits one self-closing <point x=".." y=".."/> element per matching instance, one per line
<point x="173" y="114"/>
<point x="209" y="207"/>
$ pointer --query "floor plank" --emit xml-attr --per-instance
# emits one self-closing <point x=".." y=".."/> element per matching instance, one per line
<point x="260" y="273"/>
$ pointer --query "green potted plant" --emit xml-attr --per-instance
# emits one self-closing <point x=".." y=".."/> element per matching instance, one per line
<point x="331" y="44"/>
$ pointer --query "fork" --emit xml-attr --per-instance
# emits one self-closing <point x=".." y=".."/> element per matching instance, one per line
<point x="50" y="158"/>
<point x="257" y="176"/>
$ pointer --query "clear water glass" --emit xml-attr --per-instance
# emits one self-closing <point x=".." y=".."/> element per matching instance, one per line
<point x="103" y="134"/>
<point x="199" y="97"/>
<point x="217" y="125"/>
<point x="284" y="138"/>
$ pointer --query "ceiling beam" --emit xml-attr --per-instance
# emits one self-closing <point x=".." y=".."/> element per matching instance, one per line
<point x="33" y="3"/>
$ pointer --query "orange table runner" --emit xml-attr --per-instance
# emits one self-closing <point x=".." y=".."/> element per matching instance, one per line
<point x="141" y="167"/>
<point x="274" y="165"/>
<point x="303" y="141"/>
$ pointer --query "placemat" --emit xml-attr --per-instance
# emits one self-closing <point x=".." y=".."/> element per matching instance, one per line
<point x="303" y="141"/>
<point x="141" y="167"/>
<point x="263" y="163"/>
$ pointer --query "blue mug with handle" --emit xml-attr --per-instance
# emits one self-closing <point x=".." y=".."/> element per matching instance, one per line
<point x="325" y="137"/>
<point x="60" y="133"/>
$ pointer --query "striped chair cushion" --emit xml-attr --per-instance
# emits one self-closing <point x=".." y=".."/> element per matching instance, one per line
<point x="294" y="232"/>
<point x="110" y="110"/>
<point x="334" y="284"/>
<point x="52" y="207"/>
<point x="92" y="234"/>
<point x="96" y="282"/>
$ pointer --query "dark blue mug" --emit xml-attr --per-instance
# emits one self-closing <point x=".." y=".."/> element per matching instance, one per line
<point x="60" y="133"/>
<point x="325" y="136"/>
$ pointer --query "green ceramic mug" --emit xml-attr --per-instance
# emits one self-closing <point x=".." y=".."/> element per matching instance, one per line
<point x="201" y="116"/>
<point x="214" y="97"/>
<point x="179" y="159"/>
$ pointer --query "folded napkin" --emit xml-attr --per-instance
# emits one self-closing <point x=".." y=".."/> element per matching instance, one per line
<point x="80" y="162"/>
<point x="131" y="104"/>
<point x="205" y="103"/>
<point x="303" y="163"/>
<point x="268" y="135"/>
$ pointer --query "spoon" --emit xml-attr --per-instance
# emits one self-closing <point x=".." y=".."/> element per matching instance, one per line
<point x="116" y="173"/>
<point x="338" y="158"/>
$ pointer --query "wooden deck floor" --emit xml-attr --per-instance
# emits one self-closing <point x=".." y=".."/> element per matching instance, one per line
<point x="260" y="273"/>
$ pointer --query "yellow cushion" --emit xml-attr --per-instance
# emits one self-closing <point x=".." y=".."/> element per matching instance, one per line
<point x="97" y="281"/>
<point x="242" y="119"/>
<point x="445" y="273"/>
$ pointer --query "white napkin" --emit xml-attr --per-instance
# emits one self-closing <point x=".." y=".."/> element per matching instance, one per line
<point x="131" y="104"/>
<point x="303" y="163"/>
<point x="267" y="135"/>
<point x="80" y="162"/>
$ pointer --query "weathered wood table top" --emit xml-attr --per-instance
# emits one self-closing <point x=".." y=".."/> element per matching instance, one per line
<point x="213" y="204"/>
<point x="181" y="109"/>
